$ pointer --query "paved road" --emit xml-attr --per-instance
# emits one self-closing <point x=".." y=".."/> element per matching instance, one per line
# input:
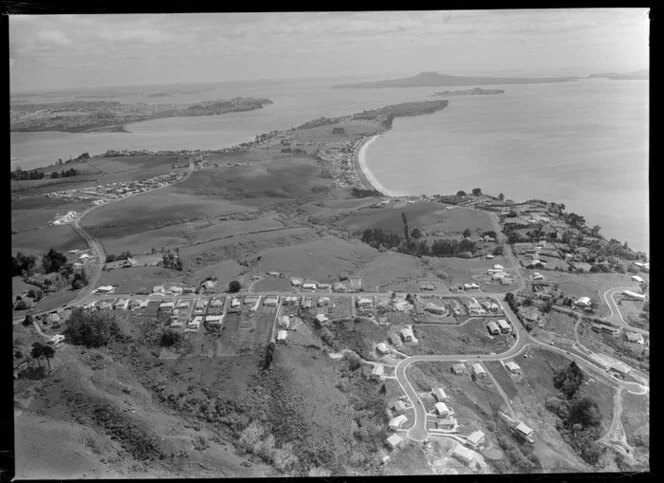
<point x="94" y="273"/>
<point x="615" y="310"/>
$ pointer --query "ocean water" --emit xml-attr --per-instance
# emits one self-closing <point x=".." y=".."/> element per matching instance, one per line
<point x="583" y="143"/>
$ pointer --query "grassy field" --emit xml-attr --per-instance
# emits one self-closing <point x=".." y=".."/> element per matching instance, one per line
<point x="37" y="242"/>
<point x="321" y="260"/>
<point x="502" y="375"/>
<point x="561" y="324"/>
<point x="262" y="178"/>
<point x="430" y="216"/>
<point x="410" y="460"/>
<point x="470" y="338"/>
<point x="592" y="285"/>
<point x="390" y="269"/>
<point x="136" y="279"/>
<point x="636" y="418"/>
<point x="38" y="211"/>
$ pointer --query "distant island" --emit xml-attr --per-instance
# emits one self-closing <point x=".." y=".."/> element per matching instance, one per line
<point x="636" y="75"/>
<point x="107" y="116"/>
<point x="433" y="79"/>
<point x="468" y="92"/>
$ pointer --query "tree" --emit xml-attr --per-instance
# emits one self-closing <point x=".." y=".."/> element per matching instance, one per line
<point x="568" y="380"/>
<point x="90" y="329"/>
<point x="498" y="250"/>
<point x="37" y="352"/>
<point x="501" y="197"/>
<point x="416" y="233"/>
<point x="53" y="261"/>
<point x="48" y="352"/>
<point x="461" y="193"/>
<point x="234" y="286"/>
<point x="80" y="280"/>
<point x="595" y="230"/>
<point x="55" y="175"/>
<point x="27" y="322"/>
<point x="466" y="233"/>
<point x="170" y="338"/>
<point x="584" y="411"/>
<point x="577" y="221"/>
<point x="477" y="191"/>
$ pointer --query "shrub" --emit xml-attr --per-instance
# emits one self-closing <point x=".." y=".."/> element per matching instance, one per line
<point x="234" y="286"/>
<point x="170" y="338"/>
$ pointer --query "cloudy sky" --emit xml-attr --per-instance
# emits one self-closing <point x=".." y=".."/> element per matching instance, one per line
<point x="59" y="51"/>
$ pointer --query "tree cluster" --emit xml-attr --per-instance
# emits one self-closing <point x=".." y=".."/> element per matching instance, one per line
<point x="376" y="237"/>
<point x="172" y="261"/>
<point x="90" y="329"/>
<point x="80" y="280"/>
<point x="39" y="350"/>
<point x="53" y="261"/>
<point x="123" y="256"/>
<point x="23" y="264"/>
<point x="362" y="193"/>
<point x="568" y="380"/>
<point x="64" y="173"/>
<point x="21" y="175"/>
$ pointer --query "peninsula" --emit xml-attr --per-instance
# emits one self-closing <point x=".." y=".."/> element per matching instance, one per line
<point x="107" y="116"/>
<point x="433" y="79"/>
<point x="468" y="92"/>
<point x="636" y="75"/>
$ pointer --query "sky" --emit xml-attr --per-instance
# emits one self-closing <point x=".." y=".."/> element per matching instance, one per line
<point x="50" y="52"/>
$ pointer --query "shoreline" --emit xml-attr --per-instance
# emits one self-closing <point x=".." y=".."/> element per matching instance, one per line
<point x="364" y="174"/>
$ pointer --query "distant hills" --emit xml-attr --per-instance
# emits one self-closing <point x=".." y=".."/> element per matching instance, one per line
<point x="636" y="75"/>
<point x="469" y="92"/>
<point x="433" y="79"/>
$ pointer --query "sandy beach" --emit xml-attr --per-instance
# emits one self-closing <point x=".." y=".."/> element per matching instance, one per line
<point x="364" y="172"/>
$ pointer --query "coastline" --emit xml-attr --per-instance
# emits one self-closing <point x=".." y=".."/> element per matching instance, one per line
<point x="364" y="174"/>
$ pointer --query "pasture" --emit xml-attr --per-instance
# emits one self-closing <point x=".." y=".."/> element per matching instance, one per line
<point x="37" y="242"/>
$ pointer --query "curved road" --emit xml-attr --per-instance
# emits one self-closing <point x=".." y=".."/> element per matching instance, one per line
<point x="97" y="248"/>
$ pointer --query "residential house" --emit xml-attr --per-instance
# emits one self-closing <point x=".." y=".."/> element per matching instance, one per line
<point x="513" y="367"/>
<point x="436" y="309"/>
<point x="439" y="394"/>
<point x="167" y="306"/>
<point x="471" y="286"/>
<point x="323" y="301"/>
<point x="493" y="328"/>
<point x="397" y="421"/>
<point x="134" y="304"/>
<point x="296" y="282"/>
<point x="306" y="303"/>
<point x="159" y="289"/>
<point x="506" y="281"/>
<point x="309" y="285"/>
<point x="235" y="303"/>
<point x="479" y="370"/>
<point x="321" y="319"/>
<point x="526" y="432"/>
<point x="476" y="439"/>
<point x="339" y="287"/>
<point x="609" y="329"/>
<point x="442" y="409"/>
<point x="634" y="337"/>
<point x="281" y="336"/>
<point x="427" y="286"/>
<point x="356" y="283"/>
<point x="377" y="372"/>
<point x="283" y="321"/>
<point x="188" y="290"/>
<point x="209" y="285"/>
<point x="498" y="267"/>
<point x="395" y="339"/>
<point x="458" y="369"/>
<point x="121" y="304"/>
<point x="398" y="406"/>
<point x="505" y="327"/>
<point x="448" y="424"/>
<point x="463" y="454"/>
<point x="175" y="290"/>
<point x="537" y="276"/>
<point x="214" y="319"/>
<point x="583" y="302"/>
<point x="270" y="301"/>
<point x="394" y="441"/>
<point x="324" y="286"/>
<point x="402" y="306"/>
<point x="382" y="348"/>
<point x="634" y="295"/>
<point x="105" y="289"/>
<point x="408" y="335"/>
<point x="364" y="303"/>
<point x="199" y="307"/>
<point x="491" y="306"/>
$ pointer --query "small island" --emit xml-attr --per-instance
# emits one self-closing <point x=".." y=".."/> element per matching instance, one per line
<point x="111" y="116"/>
<point x="468" y="92"/>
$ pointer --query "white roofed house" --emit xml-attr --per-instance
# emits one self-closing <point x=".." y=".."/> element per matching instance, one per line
<point x="479" y="370"/>
<point x="525" y="432"/>
<point x="442" y="409"/>
<point x="296" y="282"/>
<point x="505" y="327"/>
<point x="105" y="289"/>
<point x="282" y="335"/>
<point x="634" y="337"/>
<point x="634" y="295"/>
<point x="396" y="422"/>
<point x="214" y="319"/>
<point x="159" y="289"/>
<point x="308" y="285"/>
<point x="364" y="303"/>
<point x="439" y="394"/>
<point x="638" y="279"/>
<point x="408" y="335"/>
<point x="121" y="304"/>
<point x="394" y="441"/>
<point x="398" y="406"/>
<point x="513" y="367"/>
<point x="167" y="306"/>
<point x="382" y="348"/>
<point x="321" y="319"/>
<point x="175" y="290"/>
<point x="463" y="454"/>
<point x="493" y="328"/>
<point x="583" y="302"/>
<point x="448" y="423"/>
<point x="476" y="439"/>
<point x="377" y="372"/>
<point x="436" y="309"/>
<point x="271" y="301"/>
